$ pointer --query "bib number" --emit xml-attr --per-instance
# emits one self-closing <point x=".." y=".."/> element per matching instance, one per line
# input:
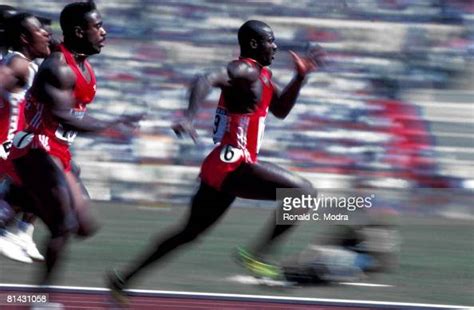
<point x="67" y="136"/>
<point x="230" y="154"/>
<point x="220" y="125"/>
<point x="5" y="149"/>
<point x="22" y="139"/>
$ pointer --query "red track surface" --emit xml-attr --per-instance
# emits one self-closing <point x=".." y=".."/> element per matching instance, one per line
<point x="100" y="300"/>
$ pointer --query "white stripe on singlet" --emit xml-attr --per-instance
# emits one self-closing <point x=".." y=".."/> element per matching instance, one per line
<point x="35" y="121"/>
<point x="14" y="98"/>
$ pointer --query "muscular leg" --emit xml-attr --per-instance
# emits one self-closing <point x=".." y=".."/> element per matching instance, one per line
<point x="260" y="181"/>
<point x="7" y="212"/>
<point x="7" y="209"/>
<point x="44" y="178"/>
<point x="18" y="199"/>
<point x="21" y="233"/>
<point x="76" y="170"/>
<point x="81" y="204"/>
<point x="15" y="196"/>
<point x="208" y="205"/>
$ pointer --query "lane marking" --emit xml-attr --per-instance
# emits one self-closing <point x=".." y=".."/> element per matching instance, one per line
<point x="245" y="279"/>
<point x="245" y="297"/>
<point x="365" y="284"/>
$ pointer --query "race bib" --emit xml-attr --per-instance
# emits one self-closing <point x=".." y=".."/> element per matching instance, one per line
<point x="220" y="125"/>
<point x="5" y="149"/>
<point x="230" y="154"/>
<point x="22" y="139"/>
<point x="67" y="136"/>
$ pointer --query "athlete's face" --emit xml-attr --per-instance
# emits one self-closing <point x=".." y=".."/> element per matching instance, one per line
<point x="94" y="32"/>
<point x="37" y="39"/>
<point x="266" y="48"/>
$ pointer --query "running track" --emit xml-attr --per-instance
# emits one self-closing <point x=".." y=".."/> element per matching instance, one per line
<point x="98" y="298"/>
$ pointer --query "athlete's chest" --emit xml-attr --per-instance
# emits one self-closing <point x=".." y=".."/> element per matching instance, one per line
<point x="263" y="90"/>
<point x="255" y="99"/>
<point x="84" y="90"/>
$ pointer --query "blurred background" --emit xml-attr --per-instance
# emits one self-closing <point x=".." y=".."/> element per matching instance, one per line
<point x="392" y="110"/>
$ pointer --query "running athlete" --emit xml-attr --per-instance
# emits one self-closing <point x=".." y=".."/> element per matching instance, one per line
<point x="55" y="111"/>
<point x="231" y="170"/>
<point x="28" y="41"/>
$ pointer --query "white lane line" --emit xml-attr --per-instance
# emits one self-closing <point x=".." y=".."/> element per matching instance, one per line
<point x="366" y="284"/>
<point x="255" y="281"/>
<point x="268" y="298"/>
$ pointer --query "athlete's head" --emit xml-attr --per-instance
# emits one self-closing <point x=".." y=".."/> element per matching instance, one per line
<point x="256" y="41"/>
<point x="25" y="33"/>
<point x="53" y="42"/>
<point x="82" y="28"/>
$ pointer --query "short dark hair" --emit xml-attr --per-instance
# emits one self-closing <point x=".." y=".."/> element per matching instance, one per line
<point x="74" y="14"/>
<point x="45" y="21"/>
<point x="15" y="26"/>
<point x="5" y="12"/>
<point x="252" y="29"/>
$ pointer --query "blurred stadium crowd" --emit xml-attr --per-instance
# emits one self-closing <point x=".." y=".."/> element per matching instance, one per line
<point x="392" y="108"/>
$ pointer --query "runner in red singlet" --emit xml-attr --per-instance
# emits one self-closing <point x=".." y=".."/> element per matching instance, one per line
<point x="55" y="111"/>
<point x="27" y="40"/>
<point x="232" y="170"/>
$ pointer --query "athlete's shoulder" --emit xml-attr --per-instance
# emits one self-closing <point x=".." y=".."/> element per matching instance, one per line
<point x="56" y="71"/>
<point x="54" y="59"/>
<point x="19" y="66"/>
<point x="240" y="69"/>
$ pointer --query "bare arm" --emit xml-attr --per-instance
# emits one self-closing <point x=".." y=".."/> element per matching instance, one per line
<point x="54" y="85"/>
<point x="201" y="88"/>
<point x="238" y="75"/>
<point x="282" y="103"/>
<point x="14" y="75"/>
<point x="198" y="91"/>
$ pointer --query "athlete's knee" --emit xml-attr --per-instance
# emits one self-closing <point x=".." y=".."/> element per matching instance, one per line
<point x="62" y="224"/>
<point x="82" y="206"/>
<point x="60" y="231"/>
<point x="86" y="225"/>
<point x="305" y="186"/>
<point x="59" y="197"/>
<point x="188" y="234"/>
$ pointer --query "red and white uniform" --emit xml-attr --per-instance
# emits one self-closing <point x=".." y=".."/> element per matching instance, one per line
<point x="239" y="136"/>
<point x="43" y="129"/>
<point x="12" y="117"/>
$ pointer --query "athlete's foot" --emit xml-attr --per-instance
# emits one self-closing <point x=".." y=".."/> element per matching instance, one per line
<point x="13" y="251"/>
<point x="25" y="241"/>
<point x="116" y="284"/>
<point x="257" y="266"/>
